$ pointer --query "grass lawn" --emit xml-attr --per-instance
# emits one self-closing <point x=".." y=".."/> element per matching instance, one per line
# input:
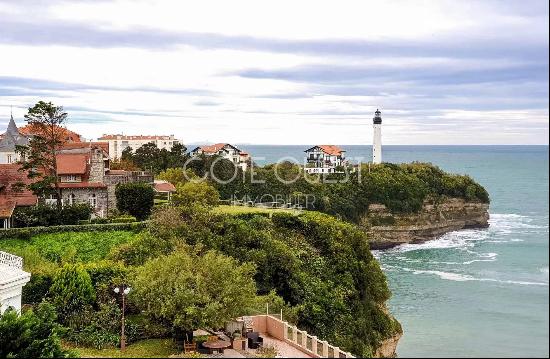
<point x="226" y="209"/>
<point x="150" y="348"/>
<point x="86" y="246"/>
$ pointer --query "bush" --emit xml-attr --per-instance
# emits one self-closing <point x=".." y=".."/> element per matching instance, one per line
<point x="27" y="233"/>
<point x="135" y="198"/>
<point x="34" y="334"/>
<point x="196" y="193"/>
<point x="101" y="330"/>
<point x="123" y="219"/>
<point x="71" y="290"/>
<point x="46" y="215"/>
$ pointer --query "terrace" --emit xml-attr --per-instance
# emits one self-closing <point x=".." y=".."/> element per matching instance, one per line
<point x="263" y="334"/>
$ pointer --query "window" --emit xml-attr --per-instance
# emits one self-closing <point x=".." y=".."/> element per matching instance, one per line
<point x="71" y="199"/>
<point x="72" y="178"/>
<point x="92" y="200"/>
<point x="9" y="159"/>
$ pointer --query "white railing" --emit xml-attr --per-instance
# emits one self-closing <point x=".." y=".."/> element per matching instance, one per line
<point x="311" y="344"/>
<point x="297" y="338"/>
<point x="11" y="260"/>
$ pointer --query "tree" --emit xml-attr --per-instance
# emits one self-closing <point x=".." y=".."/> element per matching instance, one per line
<point x="136" y="198"/>
<point x="192" y="291"/>
<point x="177" y="175"/>
<point x="71" y="290"/>
<point x="40" y="154"/>
<point x="34" y="334"/>
<point x="196" y="193"/>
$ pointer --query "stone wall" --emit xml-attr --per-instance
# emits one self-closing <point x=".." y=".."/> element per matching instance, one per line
<point x="82" y="195"/>
<point x="97" y="166"/>
<point x="387" y="230"/>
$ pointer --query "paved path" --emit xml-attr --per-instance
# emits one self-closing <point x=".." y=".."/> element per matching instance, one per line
<point x="232" y="353"/>
<point x="284" y="350"/>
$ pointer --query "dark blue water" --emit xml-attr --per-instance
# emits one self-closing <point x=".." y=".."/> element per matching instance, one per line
<point x="473" y="292"/>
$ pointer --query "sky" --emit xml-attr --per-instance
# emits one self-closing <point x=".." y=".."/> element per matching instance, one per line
<point x="282" y="72"/>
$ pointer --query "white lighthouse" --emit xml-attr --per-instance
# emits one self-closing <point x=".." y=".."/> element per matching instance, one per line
<point x="377" y="138"/>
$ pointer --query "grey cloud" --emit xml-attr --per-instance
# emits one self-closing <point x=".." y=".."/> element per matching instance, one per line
<point x="22" y="83"/>
<point x="13" y="31"/>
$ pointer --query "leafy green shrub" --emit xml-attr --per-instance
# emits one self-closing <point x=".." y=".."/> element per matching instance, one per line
<point x="99" y="220"/>
<point x="179" y="289"/>
<point x="34" y="334"/>
<point x="135" y="198"/>
<point x="37" y="288"/>
<point x="71" y="290"/>
<point x="26" y="233"/>
<point x="195" y="193"/>
<point x="46" y="215"/>
<point x="123" y="219"/>
<point x="101" y="330"/>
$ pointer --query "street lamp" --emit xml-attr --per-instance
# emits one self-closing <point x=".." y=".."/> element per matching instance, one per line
<point x="123" y="290"/>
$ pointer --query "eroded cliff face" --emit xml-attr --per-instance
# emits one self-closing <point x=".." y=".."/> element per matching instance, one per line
<point x="388" y="230"/>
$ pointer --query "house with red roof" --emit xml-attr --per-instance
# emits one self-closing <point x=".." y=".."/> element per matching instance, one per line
<point x="325" y="159"/>
<point x="239" y="158"/>
<point x="84" y="177"/>
<point x="13" y="192"/>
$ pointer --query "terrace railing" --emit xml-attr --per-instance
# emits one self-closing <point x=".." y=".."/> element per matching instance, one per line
<point x="299" y="339"/>
<point x="11" y="260"/>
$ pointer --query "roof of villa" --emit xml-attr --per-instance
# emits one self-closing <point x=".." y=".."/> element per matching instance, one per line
<point x="33" y="129"/>
<point x="328" y="149"/>
<point x="164" y="186"/>
<point x="215" y="148"/>
<point x="10" y="176"/>
<point x="71" y="164"/>
<point x="12" y="137"/>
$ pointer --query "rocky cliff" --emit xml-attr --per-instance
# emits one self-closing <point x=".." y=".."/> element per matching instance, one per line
<point x="387" y="230"/>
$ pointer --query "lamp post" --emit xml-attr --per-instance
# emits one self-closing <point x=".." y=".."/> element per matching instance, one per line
<point x="123" y="290"/>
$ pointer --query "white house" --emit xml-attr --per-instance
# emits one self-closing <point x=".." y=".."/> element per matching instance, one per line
<point x="12" y="280"/>
<point x="227" y="151"/>
<point x="324" y="159"/>
<point x="118" y="143"/>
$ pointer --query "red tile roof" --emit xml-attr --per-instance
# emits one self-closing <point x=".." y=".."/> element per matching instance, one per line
<point x="163" y="186"/>
<point x="6" y="208"/>
<point x="10" y="177"/>
<point x="329" y="149"/>
<point x="68" y="164"/>
<point x="35" y="130"/>
<point x="213" y="148"/>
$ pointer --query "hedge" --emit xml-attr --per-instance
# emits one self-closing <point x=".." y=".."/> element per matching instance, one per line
<point x="28" y="232"/>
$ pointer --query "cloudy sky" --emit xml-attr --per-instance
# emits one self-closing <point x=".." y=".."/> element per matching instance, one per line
<point x="283" y="72"/>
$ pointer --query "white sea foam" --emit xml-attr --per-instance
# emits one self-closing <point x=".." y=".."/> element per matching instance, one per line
<point x="458" y="277"/>
<point x="501" y="226"/>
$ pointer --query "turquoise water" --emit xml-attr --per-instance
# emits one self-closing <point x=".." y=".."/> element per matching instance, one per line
<point x="474" y="292"/>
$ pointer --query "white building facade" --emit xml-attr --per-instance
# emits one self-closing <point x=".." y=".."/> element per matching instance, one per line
<point x="12" y="280"/>
<point x="229" y="152"/>
<point x="118" y="143"/>
<point x="325" y="159"/>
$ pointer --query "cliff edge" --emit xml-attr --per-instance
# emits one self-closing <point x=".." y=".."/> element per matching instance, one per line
<point x="388" y="230"/>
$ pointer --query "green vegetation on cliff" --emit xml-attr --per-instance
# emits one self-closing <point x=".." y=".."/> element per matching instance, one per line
<point x="402" y="188"/>
<point x="316" y="268"/>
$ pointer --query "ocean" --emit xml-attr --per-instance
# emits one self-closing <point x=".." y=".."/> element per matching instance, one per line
<point x="471" y="293"/>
